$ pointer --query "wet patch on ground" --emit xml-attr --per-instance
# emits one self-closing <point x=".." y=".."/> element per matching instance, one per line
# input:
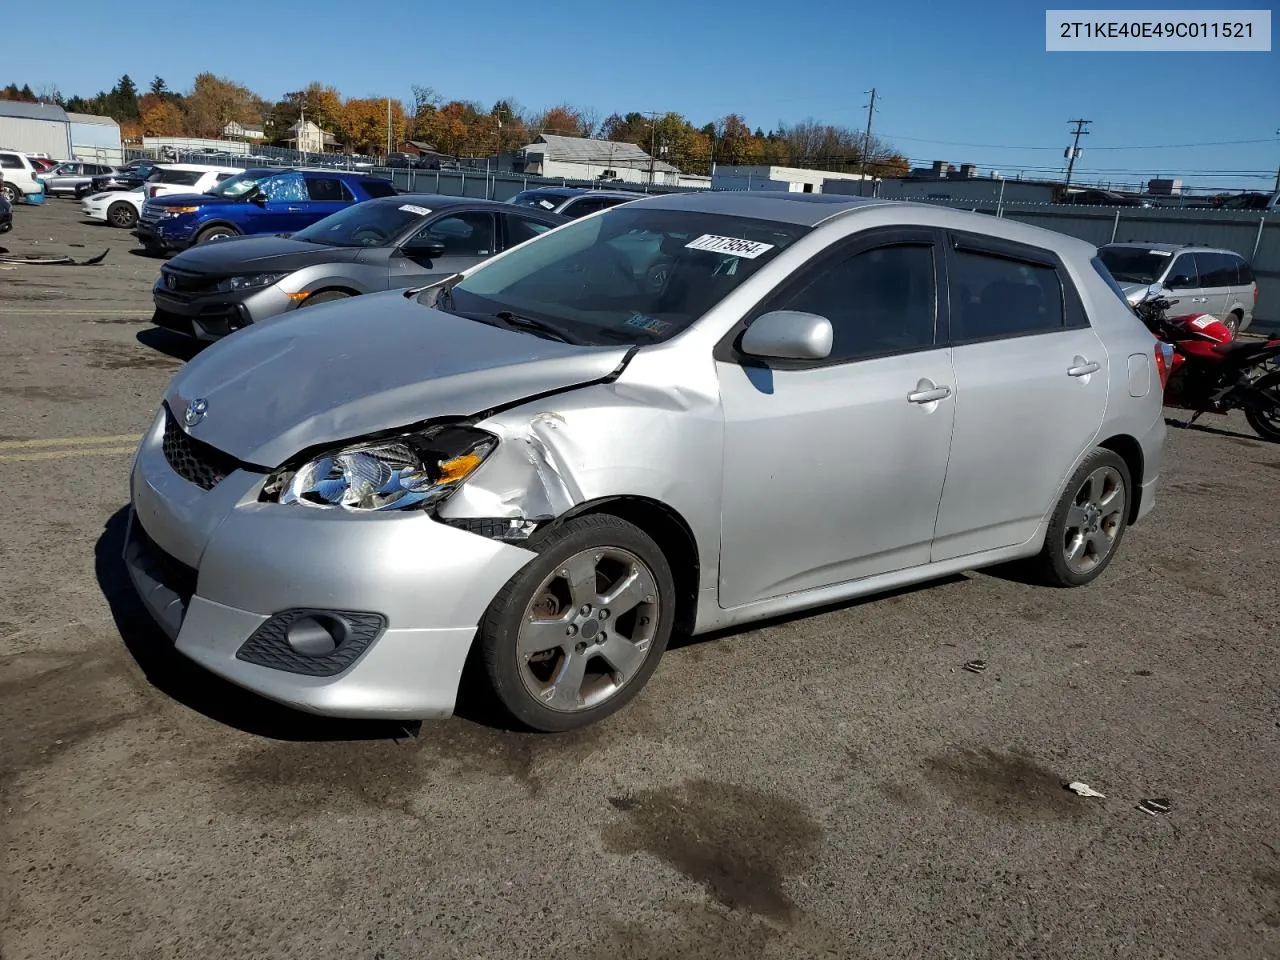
<point x="107" y="355"/>
<point x="1004" y="785"/>
<point x="739" y="844"/>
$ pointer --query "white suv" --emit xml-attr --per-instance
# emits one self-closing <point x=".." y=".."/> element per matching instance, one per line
<point x="121" y="208"/>
<point x="19" y="176"/>
<point x="170" y="178"/>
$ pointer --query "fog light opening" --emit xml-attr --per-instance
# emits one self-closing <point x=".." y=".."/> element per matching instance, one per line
<point x="316" y="635"/>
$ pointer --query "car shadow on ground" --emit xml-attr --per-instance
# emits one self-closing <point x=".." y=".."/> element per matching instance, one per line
<point x="196" y="688"/>
<point x="679" y="641"/>
<point x="169" y="343"/>
<point x="1206" y="428"/>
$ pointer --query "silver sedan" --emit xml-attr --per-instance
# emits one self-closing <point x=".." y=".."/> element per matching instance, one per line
<point x="677" y="415"/>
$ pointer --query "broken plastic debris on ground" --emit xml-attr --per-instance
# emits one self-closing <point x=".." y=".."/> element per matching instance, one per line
<point x="51" y="260"/>
<point x="1084" y="790"/>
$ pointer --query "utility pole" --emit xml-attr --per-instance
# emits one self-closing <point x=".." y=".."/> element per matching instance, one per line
<point x="388" y="126"/>
<point x="866" y="142"/>
<point x="1278" y="170"/>
<point x="653" y="143"/>
<point x="1073" y="151"/>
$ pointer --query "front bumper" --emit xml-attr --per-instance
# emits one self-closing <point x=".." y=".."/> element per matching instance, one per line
<point x="215" y="315"/>
<point x="220" y="573"/>
<point x="153" y="235"/>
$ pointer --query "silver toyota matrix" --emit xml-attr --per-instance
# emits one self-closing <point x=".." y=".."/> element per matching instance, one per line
<point x="676" y="415"/>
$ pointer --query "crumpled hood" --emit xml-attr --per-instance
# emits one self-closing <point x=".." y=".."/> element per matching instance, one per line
<point x="261" y="254"/>
<point x="342" y="370"/>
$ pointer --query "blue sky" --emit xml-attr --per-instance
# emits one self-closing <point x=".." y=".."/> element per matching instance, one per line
<point x="957" y="82"/>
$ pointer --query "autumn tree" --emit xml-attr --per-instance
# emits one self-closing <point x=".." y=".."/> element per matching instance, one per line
<point x="321" y="104"/>
<point x="562" y="120"/>
<point x="161" y="118"/>
<point x="214" y="102"/>
<point x="363" y="126"/>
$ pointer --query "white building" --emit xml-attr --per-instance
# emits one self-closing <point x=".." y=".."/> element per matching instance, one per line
<point x="95" y="139"/>
<point x="309" y="138"/>
<point x="243" y="131"/>
<point x="580" y="158"/>
<point x="769" y="177"/>
<point x="37" y="128"/>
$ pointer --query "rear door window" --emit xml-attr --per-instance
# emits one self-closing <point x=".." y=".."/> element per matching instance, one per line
<point x="520" y="229"/>
<point x="994" y="297"/>
<point x="467" y="234"/>
<point x="378" y="188"/>
<point x="10" y="161"/>
<point x="285" y="188"/>
<point x="328" y="190"/>
<point x="1215" y="269"/>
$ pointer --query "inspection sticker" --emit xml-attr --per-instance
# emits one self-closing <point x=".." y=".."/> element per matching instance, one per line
<point x="648" y="324"/>
<point x="414" y="208"/>
<point x="747" y="249"/>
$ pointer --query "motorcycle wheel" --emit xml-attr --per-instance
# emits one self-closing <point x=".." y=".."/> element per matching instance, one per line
<point x="1264" y="416"/>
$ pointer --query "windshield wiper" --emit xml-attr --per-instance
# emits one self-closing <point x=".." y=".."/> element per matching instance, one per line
<point x="518" y="321"/>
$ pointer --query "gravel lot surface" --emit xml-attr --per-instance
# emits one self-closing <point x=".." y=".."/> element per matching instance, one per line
<point x="832" y="785"/>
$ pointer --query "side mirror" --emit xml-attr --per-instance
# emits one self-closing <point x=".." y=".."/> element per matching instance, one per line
<point x="425" y="247"/>
<point x="1154" y="291"/>
<point x="259" y="198"/>
<point x="789" y="335"/>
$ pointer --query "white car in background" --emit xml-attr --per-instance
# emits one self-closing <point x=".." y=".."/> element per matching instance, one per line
<point x="121" y="208"/>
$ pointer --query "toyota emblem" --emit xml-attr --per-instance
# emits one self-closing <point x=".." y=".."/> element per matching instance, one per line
<point x="196" y="410"/>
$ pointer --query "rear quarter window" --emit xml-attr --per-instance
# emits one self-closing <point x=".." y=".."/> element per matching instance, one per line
<point x="1244" y="273"/>
<point x="1109" y="280"/>
<point x="378" y="188"/>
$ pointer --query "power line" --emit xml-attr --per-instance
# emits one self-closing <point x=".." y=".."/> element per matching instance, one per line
<point x="1153" y="146"/>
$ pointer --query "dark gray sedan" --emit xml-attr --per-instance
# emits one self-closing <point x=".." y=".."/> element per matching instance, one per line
<point x="409" y="240"/>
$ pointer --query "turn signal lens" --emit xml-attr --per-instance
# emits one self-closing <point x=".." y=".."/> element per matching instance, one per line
<point x="459" y="468"/>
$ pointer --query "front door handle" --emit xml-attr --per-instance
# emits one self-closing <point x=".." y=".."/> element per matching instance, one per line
<point x="928" y="394"/>
<point x="1199" y="299"/>
<point x="1083" y="368"/>
<point x="293" y="209"/>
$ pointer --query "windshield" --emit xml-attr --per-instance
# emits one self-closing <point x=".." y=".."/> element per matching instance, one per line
<point x="240" y="185"/>
<point x="364" y="224"/>
<point x="534" y="198"/>
<point x="1133" y="264"/>
<point x="627" y="276"/>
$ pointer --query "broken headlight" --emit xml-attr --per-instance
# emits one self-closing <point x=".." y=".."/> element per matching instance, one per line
<point x="414" y="471"/>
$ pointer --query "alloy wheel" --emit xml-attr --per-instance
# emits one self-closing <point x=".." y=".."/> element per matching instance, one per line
<point x="1094" y="520"/>
<point x="588" y="629"/>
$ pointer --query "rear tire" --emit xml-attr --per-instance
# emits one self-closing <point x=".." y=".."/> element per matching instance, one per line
<point x="214" y="233"/>
<point x="1088" y="523"/>
<point x="1232" y="323"/>
<point x="1266" y="420"/>
<point x="327" y="296"/>
<point x="122" y="214"/>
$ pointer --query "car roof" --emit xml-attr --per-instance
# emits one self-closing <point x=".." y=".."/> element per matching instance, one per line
<point x="1170" y="247"/>
<point x="442" y="201"/>
<point x="327" y="171"/>
<point x="198" y="167"/>
<point x="802" y="209"/>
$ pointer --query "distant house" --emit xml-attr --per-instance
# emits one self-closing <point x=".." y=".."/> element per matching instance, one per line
<point x="423" y="151"/>
<point x="243" y="131"/>
<point x="309" y="138"/>
<point x="581" y="158"/>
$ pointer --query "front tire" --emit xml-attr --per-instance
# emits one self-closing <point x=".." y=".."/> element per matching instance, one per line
<point x="1088" y="523"/>
<point x="1232" y="323"/>
<point x="11" y="193"/>
<point x="1265" y="418"/>
<point x="572" y="637"/>
<point x="122" y="214"/>
<point x="214" y="233"/>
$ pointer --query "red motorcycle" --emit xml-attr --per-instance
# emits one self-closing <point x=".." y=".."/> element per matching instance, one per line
<point x="1208" y="371"/>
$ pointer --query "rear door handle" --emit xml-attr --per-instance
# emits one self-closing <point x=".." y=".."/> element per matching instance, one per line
<point x="1199" y="299"/>
<point x="1083" y="369"/>
<point x="928" y="396"/>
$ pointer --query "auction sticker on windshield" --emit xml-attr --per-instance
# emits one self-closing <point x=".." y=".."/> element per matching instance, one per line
<point x="414" y="208"/>
<point x="747" y="249"/>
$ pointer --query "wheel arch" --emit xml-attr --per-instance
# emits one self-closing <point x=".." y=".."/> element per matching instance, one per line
<point x="216" y="222"/>
<point x="332" y="286"/>
<point x="1130" y="451"/>
<point x="673" y="536"/>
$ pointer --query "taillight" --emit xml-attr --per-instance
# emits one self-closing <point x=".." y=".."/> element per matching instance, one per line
<point x="1164" y="362"/>
<point x="1255" y="294"/>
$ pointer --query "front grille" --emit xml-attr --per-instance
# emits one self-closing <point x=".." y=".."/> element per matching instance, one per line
<point x="150" y="214"/>
<point x="186" y="282"/>
<point x="192" y="459"/>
